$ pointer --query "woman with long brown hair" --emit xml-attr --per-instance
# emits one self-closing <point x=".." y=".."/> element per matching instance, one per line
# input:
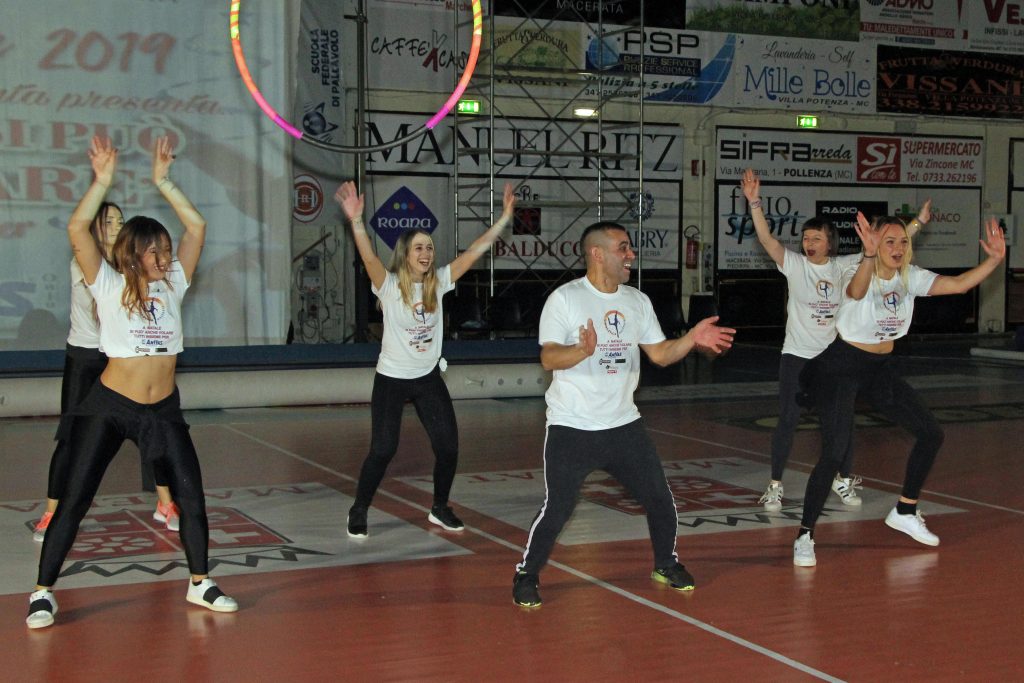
<point x="138" y="302"/>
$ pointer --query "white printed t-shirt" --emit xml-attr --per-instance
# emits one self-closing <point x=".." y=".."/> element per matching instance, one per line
<point x="815" y="292"/>
<point x="411" y="343"/>
<point x="85" y="328"/>
<point x="124" y="336"/>
<point x="597" y="392"/>
<point x="885" y="311"/>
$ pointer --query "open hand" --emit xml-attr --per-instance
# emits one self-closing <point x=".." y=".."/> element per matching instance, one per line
<point x="103" y="157"/>
<point x="994" y="243"/>
<point x="707" y="335"/>
<point x="163" y="157"/>
<point x="751" y="185"/>
<point x="350" y="201"/>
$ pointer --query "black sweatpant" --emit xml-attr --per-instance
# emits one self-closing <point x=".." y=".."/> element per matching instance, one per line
<point x="627" y="453"/>
<point x="100" y="425"/>
<point x="429" y="396"/>
<point x="833" y="379"/>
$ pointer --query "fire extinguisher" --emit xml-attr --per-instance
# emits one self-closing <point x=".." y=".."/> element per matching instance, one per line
<point x="692" y="233"/>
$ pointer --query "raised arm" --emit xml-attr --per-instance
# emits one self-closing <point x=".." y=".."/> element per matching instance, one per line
<point x="554" y="356"/>
<point x="922" y="218"/>
<point x="704" y="335"/>
<point x="103" y="158"/>
<point x="994" y="245"/>
<point x="861" y="280"/>
<point x="351" y="203"/>
<point x="190" y="246"/>
<point x="481" y="244"/>
<point x="751" y="185"/>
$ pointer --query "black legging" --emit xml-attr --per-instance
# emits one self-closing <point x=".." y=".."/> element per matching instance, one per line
<point x="100" y="425"/>
<point x="82" y="369"/>
<point x="433" y="404"/>
<point x="834" y="378"/>
<point x="628" y="454"/>
<point x="790" y="367"/>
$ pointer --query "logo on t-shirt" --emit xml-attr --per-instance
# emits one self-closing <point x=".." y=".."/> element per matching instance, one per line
<point x="419" y="312"/>
<point x="614" y="322"/>
<point x="825" y="289"/>
<point x="891" y="301"/>
<point x="156" y="309"/>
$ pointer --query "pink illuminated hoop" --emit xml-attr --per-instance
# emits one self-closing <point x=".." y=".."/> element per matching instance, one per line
<point x="243" y="70"/>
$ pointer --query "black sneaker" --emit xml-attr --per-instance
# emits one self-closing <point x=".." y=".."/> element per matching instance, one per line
<point x="443" y="516"/>
<point x="357" y="522"/>
<point x="524" y="590"/>
<point x="676" y="577"/>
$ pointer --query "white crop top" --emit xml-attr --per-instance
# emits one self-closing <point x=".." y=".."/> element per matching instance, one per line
<point x="411" y="341"/>
<point x="885" y="312"/>
<point x="122" y="336"/>
<point x="85" y="328"/>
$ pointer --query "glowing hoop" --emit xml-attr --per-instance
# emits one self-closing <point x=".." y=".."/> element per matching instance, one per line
<point x="243" y="70"/>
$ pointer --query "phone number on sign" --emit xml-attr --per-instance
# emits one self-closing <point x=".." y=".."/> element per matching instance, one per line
<point x="949" y="178"/>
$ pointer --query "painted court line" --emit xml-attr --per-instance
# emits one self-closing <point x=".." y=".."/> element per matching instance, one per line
<point x="737" y="640"/>
<point x="760" y="454"/>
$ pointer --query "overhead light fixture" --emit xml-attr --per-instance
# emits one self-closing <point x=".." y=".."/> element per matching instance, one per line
<point x="584" y="112"/>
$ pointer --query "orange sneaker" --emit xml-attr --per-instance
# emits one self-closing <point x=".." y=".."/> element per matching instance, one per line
<point x="168" y="514"/>
<point x="41" y="526"/>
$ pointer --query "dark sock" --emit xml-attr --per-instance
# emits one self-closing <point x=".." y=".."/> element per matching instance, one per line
<point x="196" y="583"/>
<point x="906" y="508"/>
<point x="805" y="532"/>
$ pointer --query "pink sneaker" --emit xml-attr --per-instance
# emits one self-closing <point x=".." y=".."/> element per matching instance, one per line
<point x="168" y="514"/>
<point x="41" y="526"/>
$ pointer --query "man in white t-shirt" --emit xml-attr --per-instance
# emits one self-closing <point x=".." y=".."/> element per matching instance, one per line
<point x="591" y="333"/>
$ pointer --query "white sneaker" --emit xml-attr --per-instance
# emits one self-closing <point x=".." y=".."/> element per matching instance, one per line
<point x="41" y="608"/>
<point x="912" y="525"/>
<point x="208" y="595"/>
<point x="168" y="515"/>
<point x="803" y="551"/>
<point x="772" y="497"/>
<point x="847" y="489"/>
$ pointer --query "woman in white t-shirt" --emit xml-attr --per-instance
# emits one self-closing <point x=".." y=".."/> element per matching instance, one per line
<point x="877" y="310"/>
<point x="83" y="364"/>
<point x="409" y="291"/>
<point x="138" y="302"/>
<point x="813" y="279"/>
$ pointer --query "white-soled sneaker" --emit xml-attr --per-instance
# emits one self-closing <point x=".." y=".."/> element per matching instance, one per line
<point x="846" y="489"/>
<point x="42" y="606"/>
<point x="168" y="515"/>
<point x="772" y="497"/>
<point x="803" y="551"/>
<point x="911" y="525"/>
<point x="208" y="595"/>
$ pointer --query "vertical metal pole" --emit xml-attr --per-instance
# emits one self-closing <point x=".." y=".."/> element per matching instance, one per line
<point x="640" y="153"/>
<point x="361" y="284"/>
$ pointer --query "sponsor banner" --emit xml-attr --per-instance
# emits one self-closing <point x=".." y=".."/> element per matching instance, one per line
<point x="812" y="75"/>
<point x="917" y="22"/>
<point x="821" y="19"/>
<point x="413" y="45"/>
<point x="977" y="25"/>
<point x="949" y="240"/>
<point x="947" y="83"/>
<point x="110" y="69"/>
<point x="319" y="109"/>
<point x="780" y="156"/>
<point x="656" y="14"/>
<point x="412" y="186"/>
<point x="834" y="175"/>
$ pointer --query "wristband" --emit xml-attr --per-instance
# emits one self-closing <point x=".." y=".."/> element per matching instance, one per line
<point x="756" y="204"/>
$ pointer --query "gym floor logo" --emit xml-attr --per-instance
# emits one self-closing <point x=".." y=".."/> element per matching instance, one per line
<point x="252" y="530"/>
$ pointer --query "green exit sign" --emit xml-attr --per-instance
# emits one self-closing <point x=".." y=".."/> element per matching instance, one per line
<point x="807" y="121"/>
<point x="468" y="107"/>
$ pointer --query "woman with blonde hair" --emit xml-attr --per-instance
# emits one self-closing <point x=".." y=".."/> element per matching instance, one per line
<point x="876" y="311"/>
<point x="409" y="291"/>
<point x="138" y="301"/>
